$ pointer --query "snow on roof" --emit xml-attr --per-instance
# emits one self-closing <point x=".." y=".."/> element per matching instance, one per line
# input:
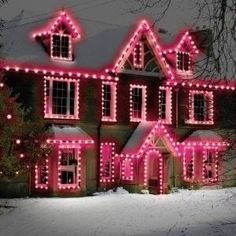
<point x="98" y="47"/>
<point x="138" y="137"/>
<point x="68" y="133"/>
<point x="204" y="136"/>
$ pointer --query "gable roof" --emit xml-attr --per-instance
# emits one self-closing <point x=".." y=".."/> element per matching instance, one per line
<point x="143" y="136"/>
<point x="96" y="50"/>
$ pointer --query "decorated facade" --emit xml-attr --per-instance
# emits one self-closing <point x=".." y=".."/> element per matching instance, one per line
<point x="137" y="118"/>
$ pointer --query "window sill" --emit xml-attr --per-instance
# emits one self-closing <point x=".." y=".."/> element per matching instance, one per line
<point x="195" y="122"/>
<point x="66" y="117"/>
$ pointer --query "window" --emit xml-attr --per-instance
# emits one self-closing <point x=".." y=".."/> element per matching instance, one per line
<point x="68" y="168"/>
<point x="60" y="98"/>
<point x="189" y="164"/>
<point x="108" y="101"/>
<point x="209" y="171"/>
<point x="137" y="103"/>
<point x="61" y="47"/>
<point x="41" y="174"/>
<point x="138" y="55"/>
<point x="200" y="107"/>
<point x="183" y="61"/>
<point x="165" y="104"/>
<point x="127" y="169"/>
<point x="107" y="159"/>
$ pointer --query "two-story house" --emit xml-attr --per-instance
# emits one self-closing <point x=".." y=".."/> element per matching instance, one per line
<point x="122" y="108"/>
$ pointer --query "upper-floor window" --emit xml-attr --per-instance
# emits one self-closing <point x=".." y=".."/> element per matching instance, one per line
<point x="60" y="99"/>
<point x="109" y="101"/>
<point x="137" y="103"/>
<point x="165" y="106"/>
<point x="200" y="107"/>
<point x="61" y="46"/>
<point x="183" y="61"/>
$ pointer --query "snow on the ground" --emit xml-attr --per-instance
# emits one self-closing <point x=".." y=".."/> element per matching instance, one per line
<point x="201" y="212"/>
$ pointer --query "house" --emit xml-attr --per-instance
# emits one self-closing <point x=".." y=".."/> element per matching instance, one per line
<point x="135" y="117"/>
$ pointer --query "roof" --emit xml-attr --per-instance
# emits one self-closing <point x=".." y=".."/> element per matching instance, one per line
<point x="98" y="47"/>
<point x="138" y="137"/>
<point x="69" y="133"/>
<point x="204" y="136"/>
<point x="147" y="135"/>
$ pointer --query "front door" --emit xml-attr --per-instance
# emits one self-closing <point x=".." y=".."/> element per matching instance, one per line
<point x="153" y="173"/>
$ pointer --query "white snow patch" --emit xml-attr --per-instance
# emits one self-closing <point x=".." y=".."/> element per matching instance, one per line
<point x="201" y="212"/>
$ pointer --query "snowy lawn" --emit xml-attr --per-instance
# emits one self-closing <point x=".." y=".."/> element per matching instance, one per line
<point x="202" y="212"/>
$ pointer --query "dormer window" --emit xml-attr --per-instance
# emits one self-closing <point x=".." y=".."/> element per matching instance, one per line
<point x="183" y="61"/>
<point x="61" y="47"/>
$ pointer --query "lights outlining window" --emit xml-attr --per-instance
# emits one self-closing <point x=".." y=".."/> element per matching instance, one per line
<point x="69" y="167"/>
<point x="109" y="101"/>
<point x="137" y="103"/>
<point x="107" y="162"/>
<point x="61" y="47"/>
<point x="60" y="98"/>
<point x="183" y="61"/>
<point x="165" y="105"/>
<point x="41" y="175"/>
<point x="127" y="169"/>
<point x="200" y="107"/>
<point x="210" y="165"/>
<point x="138" y="55"/>
<point x="188" y="163"/>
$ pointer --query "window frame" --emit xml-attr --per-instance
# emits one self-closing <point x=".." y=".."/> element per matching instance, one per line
<point x="182" y="69"/>
<point x="143" y="105"/>
<point x="111" y="176"/>
<point x="186" y="178"/>
<point x="138" y="57"/>
<point x="48" y="98"/>
<point x="124" y="176"/>
<point x="68" y="168"/>
<point x="113" y="101"/>
<point x="168" y="105"/>
<point x="213" y="164"/>
<point x="69" y="58"/>
<point x="38" y="168"/>
<point x="209" y="100"/>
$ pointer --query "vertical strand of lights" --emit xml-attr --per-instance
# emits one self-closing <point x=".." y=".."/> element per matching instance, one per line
<point x="167" y="104"/>
<point x="127" y="169"/>
<point x="113" y="101"/>
<point x="188" y="162"/>
<point x="138" y="55"/>
<point x="38" y="170"/>
<point x="79" y="167"/>
<point x="107" y="162"/>
<point x="161" y="173"/>
<point x="59" y="167"/>
<point x="132" y="111"/>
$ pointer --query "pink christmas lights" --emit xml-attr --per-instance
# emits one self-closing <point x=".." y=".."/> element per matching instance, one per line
<point x="160" y="170"/>
<point x="210" y="164"/>
<point x="127" y="169"/>
<point x="138" y="55"/>
<point x="165" y="104"/>
<point x="48" y="98"/>
<point x="137" y="99"/>
<point x="144" y="29"/>
<point x="109" y="101"/>
<point x="107" y="162"/>
<point x="55" y="26"/>
<point x="73" y="180"/>
<point x="189" y="164"/>
<point x="207" y="109"/>
<point x="41" y="175"/>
